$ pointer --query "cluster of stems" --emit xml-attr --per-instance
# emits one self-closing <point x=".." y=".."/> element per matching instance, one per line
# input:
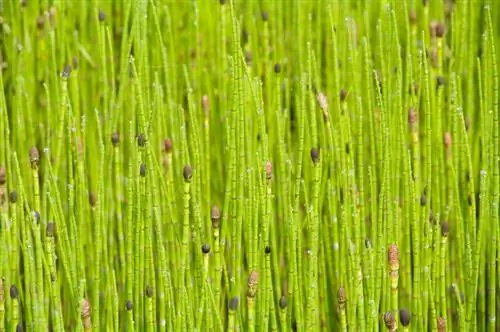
<point x="249" y="165"/>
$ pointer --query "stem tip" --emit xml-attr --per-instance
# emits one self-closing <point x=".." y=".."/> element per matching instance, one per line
<point x="404" y="317"/>
<point x="188" y="173"/>
<point x="14" y="292"/>
<point x="233" y="303"/>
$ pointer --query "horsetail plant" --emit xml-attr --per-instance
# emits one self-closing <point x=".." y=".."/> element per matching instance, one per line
<point x="231" y="165"/>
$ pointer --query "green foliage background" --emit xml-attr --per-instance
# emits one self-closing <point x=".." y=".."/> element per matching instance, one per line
<point x="249" y="165"/>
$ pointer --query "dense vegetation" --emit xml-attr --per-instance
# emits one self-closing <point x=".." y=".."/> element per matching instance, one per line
<point x="249" y="165"/>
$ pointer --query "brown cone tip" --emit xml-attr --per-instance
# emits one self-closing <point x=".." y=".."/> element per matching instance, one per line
<point x="19" y="327"/>
<point x="40" y="22"/>
<point x="141" y="140"/>
<point x="187" y="173"/>
<point x="101" y="15"/>
<point x="343" y="94"/>
<point x="66" y="71"/>
<point x="315" y="155"/>
<point x="167" y="145"/>
<point x="36" y="216"/>
<point x="149" y="291"/>
<point x="34" y="155"/>
<point x="404" y="317"/>
<point x="233" y="304"/>
<point x="215" y="216"/>
<point x="447" y="139"/>
<point x="441" y="324"/>
<point x="265" y="16"/>
<point x="445" y="228"/>
<point x="129" y="305"/>
<point x="204" y="103"/>
<point x="51" y="228"/>
<point x="215" y="213"/>
<point x="205" y="248"/>
<point x="368" y="243"/>
<point x="253" y="278"/>
<point x="413" y="17"/>
<point x="277" y="68"/>
<point x="341" y="295"/>
<point x="269" y="170"/>
<point x="412" y="116"/>
<point x="283" y="302"/>
<point x="268" y="250"/>
<point x="441" y="81"/>
<point x="393" y="255"/>
<point x="115" y="138"/>
<point x="85" y="309"/>
<point x="92" y="199"/>
<point x="439" y="30"/>
<point x="13" y="196"/>
<point x="389" y="320"/>
<point x="14" y="292"/>
<point x="142" y="170"/>
<point x="3" y="175"/>
<point x="423" y="200"/>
